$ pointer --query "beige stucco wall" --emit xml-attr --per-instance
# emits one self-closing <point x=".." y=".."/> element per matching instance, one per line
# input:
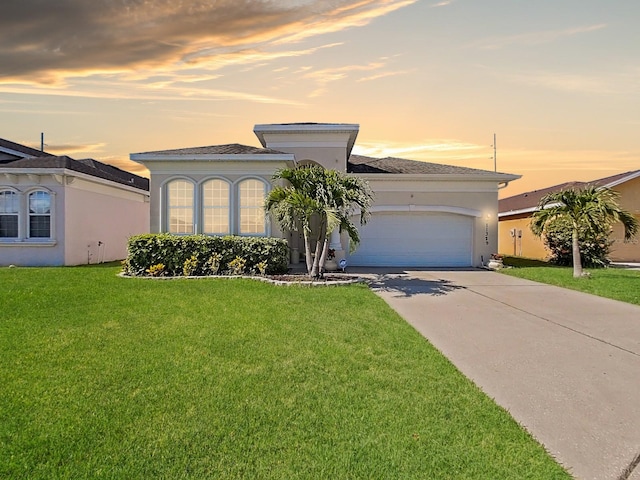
<point x="99" y="221"/>
<point x="527" y="245"/>
<point x="629" y="200"/>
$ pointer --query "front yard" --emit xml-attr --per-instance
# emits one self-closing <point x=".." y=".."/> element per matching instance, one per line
<point x="105" y="377"/>
<point x="616" y="283"/>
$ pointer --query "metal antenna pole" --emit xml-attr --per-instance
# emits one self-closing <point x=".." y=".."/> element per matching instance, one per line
<point x="495" y="156"/>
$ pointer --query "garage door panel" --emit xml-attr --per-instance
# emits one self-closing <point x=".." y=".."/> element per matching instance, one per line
<point x="415" y="239"/>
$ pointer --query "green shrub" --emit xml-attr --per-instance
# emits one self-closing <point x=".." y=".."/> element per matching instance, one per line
<point x="190" y="266"/>
<point x="203" y="253"/>
<point x="156" y="270"/>
<point x="237" y="266"/>
<point x="213" y="264"/>
<point x="595" y="246"/>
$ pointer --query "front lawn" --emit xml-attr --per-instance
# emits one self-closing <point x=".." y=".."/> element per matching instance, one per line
<point x="105" y="377"/>
<point x="616" y="283"/>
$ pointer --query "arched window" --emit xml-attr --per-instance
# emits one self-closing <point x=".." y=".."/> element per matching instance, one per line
<point x="9" y="208"/>
<point x="180" y="206"/>
<point x="215" y="207"/>
<point x="251" y="194"/>
<point x="39" y="214"/>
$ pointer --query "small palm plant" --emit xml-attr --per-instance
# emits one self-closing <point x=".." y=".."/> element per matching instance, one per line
<point x="588" y="209"/>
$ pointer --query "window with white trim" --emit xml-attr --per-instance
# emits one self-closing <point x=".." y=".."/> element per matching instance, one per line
<point x="9" y="214"/>
<point x="180" y="207"/>
<point x="215" y="207"/>
<point x="251" y="194"/>
<point x="39" y="214"/>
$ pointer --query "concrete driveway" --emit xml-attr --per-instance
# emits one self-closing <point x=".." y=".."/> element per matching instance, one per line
<point x="566" y="365"/>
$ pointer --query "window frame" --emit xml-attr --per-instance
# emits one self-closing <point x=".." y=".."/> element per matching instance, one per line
<point x="238" y="211"/>
<point x="204" y="207"/>
<point x="33" y="215"/>
<point x="17" y="214"/>
<point x="166" y="205"/>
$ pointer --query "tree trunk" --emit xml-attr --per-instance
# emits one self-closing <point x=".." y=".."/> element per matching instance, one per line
<point x="307" y="252"/>
<point x="325" y="252"/>
<point x="315" y="270"/>
<point x="575" y="251"/>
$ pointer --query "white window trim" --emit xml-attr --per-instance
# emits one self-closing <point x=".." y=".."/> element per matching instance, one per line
<point x="23" y="239"/>
<point x="236" y="211"/>
<point x="201" y="208"/>
<point x="198" y="201"/>
<point x="164" y="204"/>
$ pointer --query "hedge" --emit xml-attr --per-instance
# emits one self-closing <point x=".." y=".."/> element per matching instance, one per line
<point x="176" y="255"/>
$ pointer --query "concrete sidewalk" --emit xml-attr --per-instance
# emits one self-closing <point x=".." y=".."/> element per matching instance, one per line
<point x="565" y="364"/>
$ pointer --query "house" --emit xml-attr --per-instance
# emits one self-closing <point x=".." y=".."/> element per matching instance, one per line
<point x="55" y="210"/>
<point x="515" y="237"/>
<point x="424" y="214"/>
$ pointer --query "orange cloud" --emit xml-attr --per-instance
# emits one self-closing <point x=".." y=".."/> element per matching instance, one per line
<point x="48" y="42"/>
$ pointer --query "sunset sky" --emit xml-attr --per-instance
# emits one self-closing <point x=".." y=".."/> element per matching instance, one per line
<point x="558" y="81"/>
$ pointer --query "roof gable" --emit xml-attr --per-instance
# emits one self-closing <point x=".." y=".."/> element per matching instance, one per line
<point x="19" y="151"/>
<point x="227" y="149"/>
<point x="528" y="201"/>
<point x="87" y="166"/>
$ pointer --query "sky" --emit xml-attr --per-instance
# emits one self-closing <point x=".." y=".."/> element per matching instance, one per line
<point x="557" y="81"/>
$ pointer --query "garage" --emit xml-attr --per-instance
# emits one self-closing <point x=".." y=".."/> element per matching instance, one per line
<point x="415" y="239"/>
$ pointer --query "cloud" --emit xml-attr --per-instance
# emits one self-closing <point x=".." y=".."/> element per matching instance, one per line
<point x="327" y="75"/>
<point x="73" y="149"/>
<point x="534" y="38"/>
<point x="432" y="150"/>
<point x="441" y="4"/>
<point x="384" y="74"/>
<point x="47" y="42"/>
<point x="603" y="83"/>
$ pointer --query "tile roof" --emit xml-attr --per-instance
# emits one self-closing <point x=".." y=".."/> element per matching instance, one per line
<point x="229" y="149"/>
<point x="530" y="200"/>
<point x="27" y="151"/>
<point x="363" y="164"/>
<point x="87" y="166"/>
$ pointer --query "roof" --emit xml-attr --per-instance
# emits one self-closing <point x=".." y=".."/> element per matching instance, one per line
<point x="21" y="150"/>
<point x="363" y="164"/>
<point x="228" y="149"/>
<point x="87" y="166"/>
<point x="528" y="201"/>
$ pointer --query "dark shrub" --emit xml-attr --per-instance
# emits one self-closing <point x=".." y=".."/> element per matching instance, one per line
<point x="594" y="245"/>
<point x="174" y="250"/>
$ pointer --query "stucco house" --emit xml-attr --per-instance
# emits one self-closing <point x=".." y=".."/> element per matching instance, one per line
<point x="515" y="237"/>
<point x="55" y="210"/>
<point x="424" y="214"/>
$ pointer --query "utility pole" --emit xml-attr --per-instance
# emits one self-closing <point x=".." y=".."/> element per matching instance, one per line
<point x="42" y="141"/>
<point x="495" y="155"/>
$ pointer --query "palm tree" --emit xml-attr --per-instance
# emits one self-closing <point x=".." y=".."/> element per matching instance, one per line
<point x="589" y="209"/>
<point x="330" y="196"/>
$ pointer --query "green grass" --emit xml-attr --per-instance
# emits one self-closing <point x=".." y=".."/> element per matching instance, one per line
<point x="104" y="377"/>
<point x="615" y="283"/>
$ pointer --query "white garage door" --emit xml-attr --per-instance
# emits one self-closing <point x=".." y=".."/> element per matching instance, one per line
<point x="416" y="239"/>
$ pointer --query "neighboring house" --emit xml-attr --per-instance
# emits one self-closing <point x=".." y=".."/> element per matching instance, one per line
<point x="515" y="237"/>
<point x="55" y="210"/>
<point x="424" y="214"/>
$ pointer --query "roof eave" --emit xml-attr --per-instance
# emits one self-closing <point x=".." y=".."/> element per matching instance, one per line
<point x="210" y="157"/>
<point x="71" y="173"/>
<point x="499" y="177"/>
